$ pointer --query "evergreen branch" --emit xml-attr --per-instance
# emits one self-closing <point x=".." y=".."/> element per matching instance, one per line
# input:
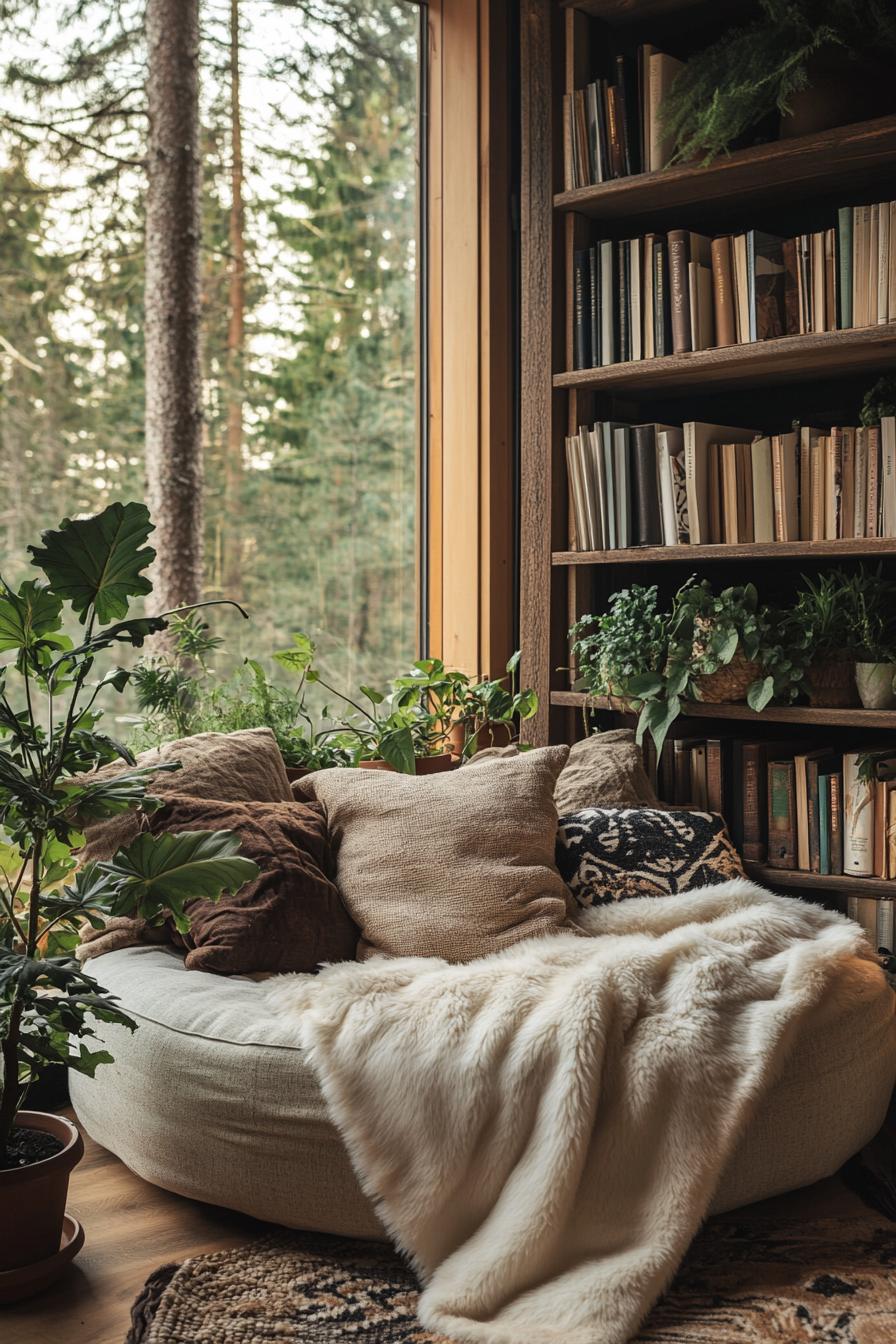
<point x="10" y="119"/>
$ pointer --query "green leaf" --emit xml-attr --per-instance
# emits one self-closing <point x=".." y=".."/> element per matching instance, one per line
<point x="107" y="797"/>
<point x="397" y="747"/>
<point x="87" y="1061"/>
<point x="29" y="615"/>
<point x="98" y="562"/>
<point x="727" y="647"/>
<point x="375" y="697"/>
<point x="644" y="684"/>
<point x="300" y="656"/>
<point x="513" y="663"/>
<point x="760" y="693"/>
<point x="160" y="872"/>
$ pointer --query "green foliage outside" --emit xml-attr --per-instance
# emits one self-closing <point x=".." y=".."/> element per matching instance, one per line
<point x="324" y="515"/>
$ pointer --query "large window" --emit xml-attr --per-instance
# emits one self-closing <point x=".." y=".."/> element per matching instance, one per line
<point x="311" y="376"/>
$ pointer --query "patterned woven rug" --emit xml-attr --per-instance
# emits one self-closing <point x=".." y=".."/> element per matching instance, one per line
<point x="830" y="1281"/>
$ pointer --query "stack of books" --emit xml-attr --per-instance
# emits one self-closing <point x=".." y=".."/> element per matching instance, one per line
<point x="613" y="129"/>
<point x="701" y="484"/>
<point x="638" y="298"/>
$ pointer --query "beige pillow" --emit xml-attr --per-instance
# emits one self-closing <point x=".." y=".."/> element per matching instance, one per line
<point x="604" y="770"/>
<point x="454" y="865"/>
<point x="233" y="767"/>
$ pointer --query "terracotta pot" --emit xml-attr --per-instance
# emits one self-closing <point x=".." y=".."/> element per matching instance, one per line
<point x="32" y="1198"/>
<point x="424" y="765"/>
<point x="875" y="685"/>
<point x="832" y="685"/>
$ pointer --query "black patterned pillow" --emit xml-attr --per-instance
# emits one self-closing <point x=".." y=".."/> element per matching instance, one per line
<point x="613" y="853"/>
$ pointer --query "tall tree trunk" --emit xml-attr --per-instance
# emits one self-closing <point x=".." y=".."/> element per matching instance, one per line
<point x="173" y="230"/>
<point x="233" y="461"/>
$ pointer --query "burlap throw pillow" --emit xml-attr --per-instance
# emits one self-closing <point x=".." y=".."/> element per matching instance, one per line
<point x="455" y="865"/>
<point x="604" y="770"/>
<point x="236" y="767"/>
<point x="291" y="917"/>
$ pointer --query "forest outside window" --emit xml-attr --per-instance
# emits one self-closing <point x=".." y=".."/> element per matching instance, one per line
<point x="310" y="374"/>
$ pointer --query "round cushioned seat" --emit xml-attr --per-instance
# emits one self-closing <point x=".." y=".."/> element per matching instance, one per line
<point x="211" y="1096"/>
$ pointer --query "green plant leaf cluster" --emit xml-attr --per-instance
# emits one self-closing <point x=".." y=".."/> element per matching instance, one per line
<point x="48" y="750"/>
<point x="728" y="88"/>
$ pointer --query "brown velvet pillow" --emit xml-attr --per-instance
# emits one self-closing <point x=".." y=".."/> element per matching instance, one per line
<point x="242" y="766"/>
<point x="291" y="918"/>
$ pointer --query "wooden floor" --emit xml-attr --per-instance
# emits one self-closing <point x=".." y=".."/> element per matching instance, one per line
<point x="132" y="1228"/>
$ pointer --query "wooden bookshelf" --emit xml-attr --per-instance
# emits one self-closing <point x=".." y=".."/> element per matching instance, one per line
<point x="761" y="364"/>
<point x="697" y="709"/>
<point x="826" y="883"/>
<point x="870" y="547"/>
<point x="786" y="170"/>
<point x="822" y="375"/>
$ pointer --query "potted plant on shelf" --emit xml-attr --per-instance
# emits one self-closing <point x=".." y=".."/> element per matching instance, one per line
<point x="812" y="64"/>
<point x="712" y="647"/>
<point x="871" y="606"/>
<point x="49" y="745"/>
<point x="822" y="611"/>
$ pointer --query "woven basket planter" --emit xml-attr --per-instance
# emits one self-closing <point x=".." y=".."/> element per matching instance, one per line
<point x="832" y="685"/>
<point x="729" y="685"/>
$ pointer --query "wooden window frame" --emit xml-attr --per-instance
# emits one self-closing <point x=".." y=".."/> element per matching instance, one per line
<point x="470" y="504"/>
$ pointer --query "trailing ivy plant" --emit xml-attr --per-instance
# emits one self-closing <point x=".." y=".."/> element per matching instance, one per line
<point x="50" y="743"/>
<point x="732" y="85"/>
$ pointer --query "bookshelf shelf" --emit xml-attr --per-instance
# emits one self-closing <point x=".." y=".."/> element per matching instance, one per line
<point x="630" y="11"/>
<point x="869" y="547"/>
<point x="695" y="709"/>
<point x="761" y="363"/>
<point x="780" y="171"/>
<point x="831" y="882"/>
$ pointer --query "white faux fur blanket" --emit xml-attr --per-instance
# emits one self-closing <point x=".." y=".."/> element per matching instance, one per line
<point x="542" y="1130"/>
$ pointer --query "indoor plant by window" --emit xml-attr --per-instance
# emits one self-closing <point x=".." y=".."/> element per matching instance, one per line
<point x="49" y="744"/>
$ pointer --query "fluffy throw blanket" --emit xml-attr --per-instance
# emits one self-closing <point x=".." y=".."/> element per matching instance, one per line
<point x="542" y="1130"/>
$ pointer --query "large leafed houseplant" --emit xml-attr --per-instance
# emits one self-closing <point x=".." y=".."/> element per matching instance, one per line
<point x="50" y="744"/>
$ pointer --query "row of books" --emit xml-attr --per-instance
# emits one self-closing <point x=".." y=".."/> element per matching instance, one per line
<point x="786" y="804"/>
<point x="702" y="484"/>
<point x="613" y="128"/>
<point x="825" y="817"/>
<point x="638" y="298"/>
<point x="877" y="917"/>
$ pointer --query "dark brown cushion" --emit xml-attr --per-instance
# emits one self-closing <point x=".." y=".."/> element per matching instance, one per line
<point x="291" y="918"/>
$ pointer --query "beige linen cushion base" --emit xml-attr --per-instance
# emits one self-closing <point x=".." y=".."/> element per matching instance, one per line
<point x="245" y="766"/>
<point x="212" y="1097"/>
<point x="454" y="865"/>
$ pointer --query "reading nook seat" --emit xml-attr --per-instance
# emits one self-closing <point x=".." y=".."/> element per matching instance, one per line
<point x="211" y="1098"/>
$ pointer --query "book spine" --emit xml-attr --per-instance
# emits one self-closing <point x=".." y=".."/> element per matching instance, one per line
<point x="755" y="801"/>
<point x="715" y="786"/>
<point x="581" y="318"/>
<point x="844" y="267"/>
<point x="858" y="820"/>
<point x="791" y="287"/>
<point x="723" y="292"/>
<point x="681" y="771"/>
<point x="617" y="163"/>
<point x="781" y="815"/>
<point x="660" y="299"/>
<point x="872" y="511"/>
<point x="622" y="300"/>
<point x="824" y="824"/>
<point x="812" y="801"/>
<point x="778" y="489"/>
<point x="648" y="524"/>
<point x="594" y="305"/>
<point x="679" y="291"/>
<point x="836" y="798"/>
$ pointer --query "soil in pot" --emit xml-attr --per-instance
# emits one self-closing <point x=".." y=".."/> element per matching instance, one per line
<point x="28" y="1146"/>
